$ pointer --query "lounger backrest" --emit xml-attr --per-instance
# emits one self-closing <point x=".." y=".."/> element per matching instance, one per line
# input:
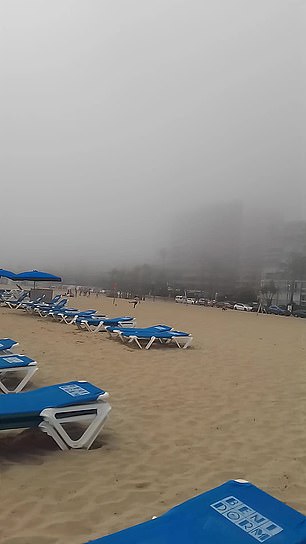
<point x="55" y="299"/>
<point x="233" y="513"/>
<point x="22" y="297"/>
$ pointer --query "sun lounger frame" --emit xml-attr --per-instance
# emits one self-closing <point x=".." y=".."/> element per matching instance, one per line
<point x="55" y="418"/>
<point x="182" y="342"/>
<point x="27" y="372"/>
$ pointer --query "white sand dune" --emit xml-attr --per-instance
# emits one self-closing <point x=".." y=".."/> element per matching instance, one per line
<point x="182" y="421"/>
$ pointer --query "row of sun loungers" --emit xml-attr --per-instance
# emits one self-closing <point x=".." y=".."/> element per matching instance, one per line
<point x="123" y="327"/>
<point x="49" y="408"/>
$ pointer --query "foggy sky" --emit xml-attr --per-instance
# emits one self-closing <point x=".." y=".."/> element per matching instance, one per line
<point x="118" y="116"/>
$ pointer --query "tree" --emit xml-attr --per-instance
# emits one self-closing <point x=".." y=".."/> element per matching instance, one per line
<point x="268" y="290"/>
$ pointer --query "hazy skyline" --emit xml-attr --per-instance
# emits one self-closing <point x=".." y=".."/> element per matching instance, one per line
<point x="118" y="116"/>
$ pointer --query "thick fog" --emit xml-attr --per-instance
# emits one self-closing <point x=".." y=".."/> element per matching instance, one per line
<point x="122" y="120"/>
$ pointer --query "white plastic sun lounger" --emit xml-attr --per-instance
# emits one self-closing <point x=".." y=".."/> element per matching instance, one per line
<point x="17" y="303"/>
<point x="70" y="316"/>
<point x="51" y="408"/>
<point x="149" y="335"/>
<point x="14" y="364"/>
<point x="99" y="323"/>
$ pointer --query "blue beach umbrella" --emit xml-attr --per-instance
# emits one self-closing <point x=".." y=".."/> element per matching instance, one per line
<point x="7" y="274"/>
<point x="36" y="275"/>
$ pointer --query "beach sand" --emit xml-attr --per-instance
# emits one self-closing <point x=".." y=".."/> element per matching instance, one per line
<point x="182" y="421"/>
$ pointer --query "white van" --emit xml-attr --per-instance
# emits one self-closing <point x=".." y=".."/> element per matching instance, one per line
<point x="179" y="298"/>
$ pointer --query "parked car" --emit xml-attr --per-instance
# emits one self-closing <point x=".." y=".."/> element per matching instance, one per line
<point x="242" y="307"/>
<point x="299" y="313"/>
<point x="201" y="302"/>
<point x="184" y="300"/>
<point x="229" y="305"/>
<point x="278" y="310"/>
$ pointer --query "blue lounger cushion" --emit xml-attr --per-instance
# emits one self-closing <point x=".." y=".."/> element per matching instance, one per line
<point x="32" y="403"/>
<point x="80" y="313"/>
<point x="153" y="328"/>
<point x="7" y="343"/>
<point x="148" y="333"/>
<point x="106" y="321"/>
<point x="15" y="361"/>
<point x="233" y="513"/>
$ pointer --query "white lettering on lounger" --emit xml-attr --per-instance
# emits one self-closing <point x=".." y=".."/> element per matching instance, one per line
<point x="12" y="360"/>
<point x="247" y="519"/>
<point x="74" y="390"/>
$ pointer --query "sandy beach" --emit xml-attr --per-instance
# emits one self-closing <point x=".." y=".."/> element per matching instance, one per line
<point x="231" y="406"/>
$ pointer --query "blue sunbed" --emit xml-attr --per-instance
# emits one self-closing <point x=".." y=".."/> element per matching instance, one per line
<point x="158" y="328"/>
<point x="95" y="324"/>
<point x="44" y="309"/>
<point x="29" y="306"/>
<point x="70" y="316"/>
<point x="51" y="408"/>
<point x="6" y="344"/>
<point x="12" y="363"/>
<point x="150" y="334"/>
<point x="31" y="303"/>
<point x="16" y="303"/>
<point x="233" y="513"/>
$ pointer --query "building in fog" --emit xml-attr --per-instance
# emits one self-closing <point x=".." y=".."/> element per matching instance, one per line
<point x="224" y="249"/>
<point x="206" y="248"/>
<point x="285" y="263"/>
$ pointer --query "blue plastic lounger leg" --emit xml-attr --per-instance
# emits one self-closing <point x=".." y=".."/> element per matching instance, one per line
<point x="29" y="372"/>
<point x="94" y="413"/>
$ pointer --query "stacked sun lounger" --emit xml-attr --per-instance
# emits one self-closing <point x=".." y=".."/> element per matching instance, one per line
<point x="236" y="512"/>
<point x="145" y="337"/>
<point x="51" y="408"/>
<point x="70" y="315"/>
<point x="14" y="302"/>
<point x="96" y="323"/>
<point x="14" y="365"/>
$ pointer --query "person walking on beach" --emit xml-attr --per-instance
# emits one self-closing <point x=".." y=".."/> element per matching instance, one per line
<point x="136" y="301"/>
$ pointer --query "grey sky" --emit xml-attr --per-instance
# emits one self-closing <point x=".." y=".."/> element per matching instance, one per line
<point x="118" y="115"/>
